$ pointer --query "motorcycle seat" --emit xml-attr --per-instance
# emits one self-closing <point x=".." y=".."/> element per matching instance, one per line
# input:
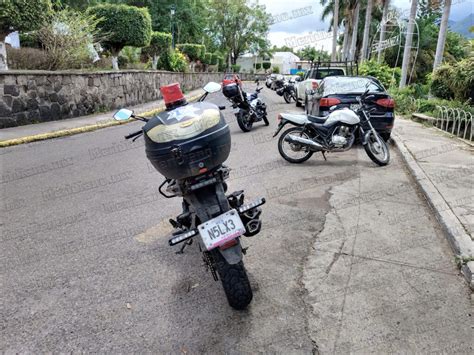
<point x="317" y="119"/>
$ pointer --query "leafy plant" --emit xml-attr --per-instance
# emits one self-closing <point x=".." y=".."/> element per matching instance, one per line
<point x="27" y="58"/>
<point x="160" y="43"/>
<point x="454" y="80"/>
<point x="258" y="66"/>
<point x="214" y="59"/>
<point x="67" y="39"/>
<point x="235" y="68"/>
<point x="122" y="26"/>
<point x="194" y="52"/>
<point x="266" y="65"/>
<point x="23" y="15"/>
<point x="381" y="71"/>
<point x="173" y="60"/>
<point x="207" y="58"/>
<point x="276" y="70"/>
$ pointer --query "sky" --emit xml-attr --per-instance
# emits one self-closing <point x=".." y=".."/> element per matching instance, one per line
<point x="299" y="21"/>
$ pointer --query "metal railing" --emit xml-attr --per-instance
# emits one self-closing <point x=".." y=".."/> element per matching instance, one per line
<point x="455" y="121"/>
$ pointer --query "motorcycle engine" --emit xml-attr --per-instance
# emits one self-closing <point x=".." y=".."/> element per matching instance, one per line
<point x="340" y="136"/>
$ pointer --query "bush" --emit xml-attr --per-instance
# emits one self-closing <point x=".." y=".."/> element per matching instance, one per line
<point x="159" y="44"/>
<point x="235" y="68"/>
<point x="214" y="59"/>
<point x="221" y="63"/>
<point x="207" y="58"/>
<point x="276" y="70"/>
<point x="173" y="61"/>
<point x="266" y="65"/>
<point x="194" y="52"/>
<point x="381" y="71"/>
<point x="454" y="81"/>
<point x="27" y="58"/>
<point x="258" y="66"/>
<point x="122" y="25"/>
<point x="30" y="40"/>
<point x="67" y="39"/>
<point x="23" y="15"/>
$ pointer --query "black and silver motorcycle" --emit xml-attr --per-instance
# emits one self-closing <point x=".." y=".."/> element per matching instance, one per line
<point x="288" y="91"/>
<point x="250" y="108"/>
<point x="333" y="133"/>
<point x="188" y="145"/>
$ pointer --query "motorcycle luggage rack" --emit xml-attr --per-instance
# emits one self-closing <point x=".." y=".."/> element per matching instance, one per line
<point x="349" y="65"/>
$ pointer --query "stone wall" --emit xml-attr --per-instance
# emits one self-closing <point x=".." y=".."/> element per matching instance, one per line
<point x="39" y="96"/>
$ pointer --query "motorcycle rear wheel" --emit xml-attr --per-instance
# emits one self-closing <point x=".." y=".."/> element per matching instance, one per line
<point x="244" y="121"/>
<point x="294" y="147"/>
<point x="287" y="97"/>
<point x="234" y="281"/>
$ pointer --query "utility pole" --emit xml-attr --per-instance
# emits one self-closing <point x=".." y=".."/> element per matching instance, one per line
<point x="408" y="43"/>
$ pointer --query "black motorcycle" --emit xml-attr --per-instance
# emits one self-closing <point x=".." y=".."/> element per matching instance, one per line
<point x="288" y="91"/>
<point x="250" y="108"/>
<point x="189" y="145"/>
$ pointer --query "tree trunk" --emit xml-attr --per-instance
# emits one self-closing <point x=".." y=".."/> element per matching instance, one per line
<point x="115" y="62"/>
<point x="442" y="35"/>
<point x="382" y="29"/>
<point x="365" y="38"/>
<point x="408" y="42"/>
<point x="154" y="63"/>
<point x="355" y="26"/>
<point x="3" y="56"/>
<point x="345" y="43"/>
<point x="335" y="22"/>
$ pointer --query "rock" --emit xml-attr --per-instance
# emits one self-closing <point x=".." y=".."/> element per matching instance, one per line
<point x="53" y="97"/>
<point x="18" y="105"/>
<point x="4" y="110"/>
<point x="34" y="116"/>
<point x="45" y="113"/>
<point x="31" y="104"/>
<point x="11" y="90"/>
<point x="8" y="100"/>
<point x="56" y="111"/>
<point x="6" y="122"/>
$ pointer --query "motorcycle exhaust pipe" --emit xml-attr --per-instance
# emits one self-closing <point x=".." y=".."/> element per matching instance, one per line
<point x="304" y="142"/>
<point x="252" y="227"/>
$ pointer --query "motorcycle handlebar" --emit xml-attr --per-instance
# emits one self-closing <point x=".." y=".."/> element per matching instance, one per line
<point x="134" y="134"/>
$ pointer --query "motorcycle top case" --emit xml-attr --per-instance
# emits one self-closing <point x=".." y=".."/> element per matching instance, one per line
<point x="188" y="140"/>
<point x="231" y="91"/>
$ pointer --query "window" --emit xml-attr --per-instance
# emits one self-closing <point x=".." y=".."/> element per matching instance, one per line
<point x="324" y="72"/>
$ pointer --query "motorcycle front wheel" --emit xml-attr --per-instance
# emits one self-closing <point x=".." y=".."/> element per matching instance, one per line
<point x="287" y="97"/>
<point x="377" y="150"/>
<point x="244" y="121"/>
<point x="291" y="152"/>
<point x="234" y="281"/>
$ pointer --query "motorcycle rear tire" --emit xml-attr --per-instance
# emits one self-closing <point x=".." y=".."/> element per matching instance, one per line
<point x="245" y="127"/>
<point x="287" y="97"/>
<point x="234" y="281"/>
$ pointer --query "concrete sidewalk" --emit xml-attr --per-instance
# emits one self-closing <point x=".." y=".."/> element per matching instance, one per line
<point x="99" y="120"/>
<point x="443" y="168"/>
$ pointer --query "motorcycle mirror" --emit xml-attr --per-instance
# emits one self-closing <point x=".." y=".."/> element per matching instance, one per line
<point x="123" y="114"/>
<point x="211" y="87"/>
<point x="221" y="108"/>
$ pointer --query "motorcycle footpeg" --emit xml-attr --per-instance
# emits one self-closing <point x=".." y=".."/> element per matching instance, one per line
<point x="253" y="227"/>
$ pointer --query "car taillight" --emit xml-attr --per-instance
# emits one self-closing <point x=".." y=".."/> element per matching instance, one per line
<point x="314" y="85"/>
<point x="328" y="102"/>
<point x="386" y="102"/>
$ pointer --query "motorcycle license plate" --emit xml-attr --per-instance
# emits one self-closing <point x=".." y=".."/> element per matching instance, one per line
<point x="354" y="107"/>
<point x="221" y="229"/>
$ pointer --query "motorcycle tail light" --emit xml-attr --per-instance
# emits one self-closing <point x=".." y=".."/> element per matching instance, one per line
<point x="229" y="244"/>
<point x="314" y="85"/>
<point x="390" y="103"/>
<point x="328" y="102"/>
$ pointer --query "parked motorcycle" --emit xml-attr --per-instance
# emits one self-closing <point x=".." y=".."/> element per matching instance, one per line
<point x="251" y="108"/>
<point x="334" y="133"/>
<point x="188" y="144"/>
<point x="288" y="91"/>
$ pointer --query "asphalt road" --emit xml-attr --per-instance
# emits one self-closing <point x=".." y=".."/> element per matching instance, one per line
<point x="349" y="258"/>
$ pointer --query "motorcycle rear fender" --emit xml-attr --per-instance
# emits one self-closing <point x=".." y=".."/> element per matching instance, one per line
<point x="282" y="124"/>
<point x="232" y="255"/>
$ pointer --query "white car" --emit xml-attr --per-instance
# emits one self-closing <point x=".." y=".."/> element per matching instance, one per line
<point x="311" y="81"/>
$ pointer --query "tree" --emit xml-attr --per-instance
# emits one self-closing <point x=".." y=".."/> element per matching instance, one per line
<point x="20" y="15"/>
<point x="312" y="54"/>
<point x="160" y="43"/>
<point x="334" y="29"/>
<point x="442" y="35"/>
<point x="383" y="27"/>
<point x="365" y="38"/>
<point x="355" y="30"/>
<point x="122" y="25"/>
<point x="235" y="25"/>
<point x="194" y="52"/>
<point x="408" y="43"/>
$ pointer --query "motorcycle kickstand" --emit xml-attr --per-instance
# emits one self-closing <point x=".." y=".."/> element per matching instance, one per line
<point x="324" y="155"/>
<point x="181" y="250"/>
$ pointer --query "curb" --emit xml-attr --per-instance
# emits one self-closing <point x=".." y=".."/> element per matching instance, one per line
<point x="460" y="241"/>
<point x="81" y="129"/>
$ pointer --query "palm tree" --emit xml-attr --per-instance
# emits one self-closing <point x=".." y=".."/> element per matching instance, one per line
<point x="383" y="26"/>
<point x="408" y="43"/>
<point x="442" y="34"/>
<point x="355" y="26"/>
<point x="365" y="38"/>
<point x="335" y="25"/>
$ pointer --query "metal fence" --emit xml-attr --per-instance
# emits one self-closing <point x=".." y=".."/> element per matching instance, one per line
<point x="455" y="121"/>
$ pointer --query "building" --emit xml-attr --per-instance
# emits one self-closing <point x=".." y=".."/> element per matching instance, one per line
<point x="285" y="61"/>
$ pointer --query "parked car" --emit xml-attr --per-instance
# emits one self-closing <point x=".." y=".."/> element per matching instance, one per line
<point x="342" y="91"/>
<point x="231" y="79"/>
<point x="311" y="81"/>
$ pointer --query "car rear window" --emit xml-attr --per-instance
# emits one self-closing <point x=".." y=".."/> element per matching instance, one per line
<point x="322" y="73"/>
<point x="345" y="85"/>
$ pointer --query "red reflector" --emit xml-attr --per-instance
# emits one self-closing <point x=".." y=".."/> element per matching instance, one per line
<point x="314" y="84"/>
<point x="202" y="170"/>
<point x="386" y="102"/>
<point x="228" y="244"/>
<point x="328" y="102"/>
